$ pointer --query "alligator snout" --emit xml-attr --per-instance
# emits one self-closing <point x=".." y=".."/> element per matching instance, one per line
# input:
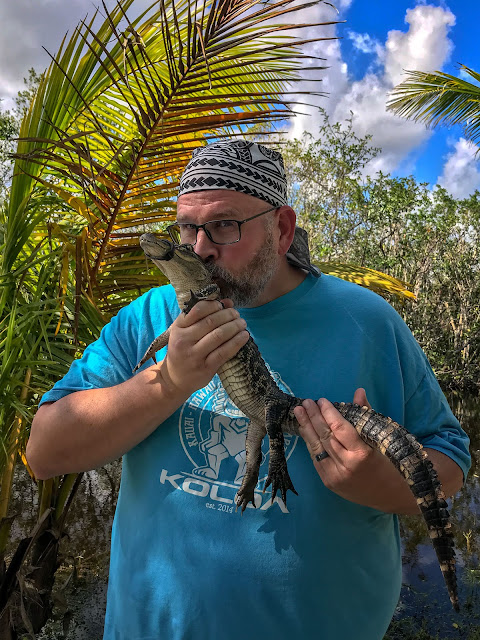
<point x="157" y="248"/>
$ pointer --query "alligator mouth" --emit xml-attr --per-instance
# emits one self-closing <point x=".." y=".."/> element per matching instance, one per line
<point x="157" y="248"/>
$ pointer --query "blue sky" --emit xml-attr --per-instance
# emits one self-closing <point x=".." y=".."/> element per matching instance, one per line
<point x="377" y="43"/>
<point x="426" y="160"/>
<point x="378" y="40"/>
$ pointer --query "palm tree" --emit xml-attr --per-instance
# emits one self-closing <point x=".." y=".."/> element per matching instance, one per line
<point x="439" y="98"/>
<point x="113" y="123"/>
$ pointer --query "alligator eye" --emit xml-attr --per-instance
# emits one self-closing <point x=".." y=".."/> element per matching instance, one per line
<point x="170" y="253"/>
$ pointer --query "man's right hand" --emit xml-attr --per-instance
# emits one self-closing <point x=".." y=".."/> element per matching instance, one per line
<point x="200" y="343"/>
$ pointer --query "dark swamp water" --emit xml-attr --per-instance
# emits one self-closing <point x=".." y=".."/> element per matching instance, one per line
<point x="423" y="613"/>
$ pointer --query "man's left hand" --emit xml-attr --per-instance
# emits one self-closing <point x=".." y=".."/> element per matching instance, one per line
<point x="353" y="470"/>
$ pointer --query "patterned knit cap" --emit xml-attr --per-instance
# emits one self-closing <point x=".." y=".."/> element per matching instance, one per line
<point x="237" y="165"/>
<point x="251" y="168"/>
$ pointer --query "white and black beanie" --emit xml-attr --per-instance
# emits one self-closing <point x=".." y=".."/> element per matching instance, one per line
<point x="237" y="165"/>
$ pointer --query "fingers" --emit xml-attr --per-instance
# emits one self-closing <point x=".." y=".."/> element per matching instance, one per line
<point x="313" y="428"/>
<point x="209" y="317"/>
<point x="343" y="431"/>
<point x="216" y="330"/>
<point x="201" y="310"/>
<point x="220" y="354"/>
<point x="360" y="397"/>
<point x="349" y="461"/>
<point x="324" y="429"/>
<point x="202" y="341"/>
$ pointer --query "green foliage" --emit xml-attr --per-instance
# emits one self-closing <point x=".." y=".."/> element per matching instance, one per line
<point x="8" y="131"/>
<point x="104" y="135"/>
<point x="324" y="175"/>
<point x="398" y="226"/>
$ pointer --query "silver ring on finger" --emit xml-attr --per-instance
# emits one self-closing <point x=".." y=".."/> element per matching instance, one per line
<point x="321" y="456"/>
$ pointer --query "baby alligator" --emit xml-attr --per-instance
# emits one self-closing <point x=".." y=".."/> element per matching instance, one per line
<point x="252" y="389"/>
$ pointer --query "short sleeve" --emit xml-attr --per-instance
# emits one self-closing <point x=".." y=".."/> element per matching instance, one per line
<point x="110" y="360"/>
<point x="430" y="419"/>
<point x="106" y="362"/>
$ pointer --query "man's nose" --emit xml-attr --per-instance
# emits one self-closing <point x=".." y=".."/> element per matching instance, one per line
<point x="204" y="247"/>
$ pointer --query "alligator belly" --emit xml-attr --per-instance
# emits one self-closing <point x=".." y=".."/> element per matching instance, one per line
<point x="232" y="375"/>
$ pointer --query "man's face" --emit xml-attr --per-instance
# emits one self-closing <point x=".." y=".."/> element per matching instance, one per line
<point x="241" y="270"/>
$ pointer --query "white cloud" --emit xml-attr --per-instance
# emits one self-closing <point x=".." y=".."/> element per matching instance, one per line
<point x="426" y="46"/>
<point x="343" y="4"/>
<point x="31" y="25"/>
<point x="461" y="171"/>
<point x="363" y="42"/>
<point x="334" y="79"/>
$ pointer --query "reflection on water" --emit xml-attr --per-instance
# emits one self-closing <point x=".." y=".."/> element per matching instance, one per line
<point x="424" y="597"/>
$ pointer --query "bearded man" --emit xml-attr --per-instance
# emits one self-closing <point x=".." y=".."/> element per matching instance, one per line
<point x="184" y="565"/>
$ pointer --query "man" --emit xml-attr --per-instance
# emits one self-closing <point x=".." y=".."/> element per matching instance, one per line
<point x="183" y="564"/>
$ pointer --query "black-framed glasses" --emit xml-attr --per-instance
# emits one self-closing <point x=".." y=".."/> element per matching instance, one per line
<point x="218" y="231"/>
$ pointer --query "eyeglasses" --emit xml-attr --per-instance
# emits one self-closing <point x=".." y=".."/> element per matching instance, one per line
<point x="218" y="231"/>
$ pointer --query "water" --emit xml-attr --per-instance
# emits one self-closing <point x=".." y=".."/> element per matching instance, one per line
<point x="424" y="601"/>
<point x="424" y="609"/>
<point x="80" y="590"/>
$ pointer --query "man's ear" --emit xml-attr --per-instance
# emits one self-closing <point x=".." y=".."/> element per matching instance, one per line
<point x="286" y="225"/>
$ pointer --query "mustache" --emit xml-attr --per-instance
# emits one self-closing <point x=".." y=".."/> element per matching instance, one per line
<point x="218" y="272"/>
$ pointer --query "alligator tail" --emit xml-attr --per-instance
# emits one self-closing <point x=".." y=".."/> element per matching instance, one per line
<point x="409" y="458"/>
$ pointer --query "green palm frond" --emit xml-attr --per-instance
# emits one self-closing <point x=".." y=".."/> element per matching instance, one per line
<point x="439" y="98"/>
<point x="132" y="100"/>
<point x="114" y="121"/>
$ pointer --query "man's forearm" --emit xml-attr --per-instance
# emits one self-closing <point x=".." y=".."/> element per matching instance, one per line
<point x="393" y="495"/>
<point x="87" y="429"/>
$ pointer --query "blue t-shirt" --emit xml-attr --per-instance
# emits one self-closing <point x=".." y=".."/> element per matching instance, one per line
<point x="184" y="564"/>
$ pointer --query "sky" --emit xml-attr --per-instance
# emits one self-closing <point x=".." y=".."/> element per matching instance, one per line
<point x="376" y="42"/>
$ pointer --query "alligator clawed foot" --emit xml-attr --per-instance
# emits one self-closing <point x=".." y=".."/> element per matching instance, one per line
<point x="280" y="480"/>
<point x="159" y="342"/>
<point x="246" y="493"/>
<point x="146" y="357"/>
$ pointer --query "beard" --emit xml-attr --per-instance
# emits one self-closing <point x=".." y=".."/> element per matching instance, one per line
<point x="244" y="287"/>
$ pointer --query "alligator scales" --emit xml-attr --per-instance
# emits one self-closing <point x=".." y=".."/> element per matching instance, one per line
<point x="253" y="390"/>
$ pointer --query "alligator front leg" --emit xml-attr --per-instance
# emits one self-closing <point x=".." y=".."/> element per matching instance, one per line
<point x="276" y="414"/>
<point x="156" y="345"/>
<point x="211" y="292"/>
<point x="253" y="450"/>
